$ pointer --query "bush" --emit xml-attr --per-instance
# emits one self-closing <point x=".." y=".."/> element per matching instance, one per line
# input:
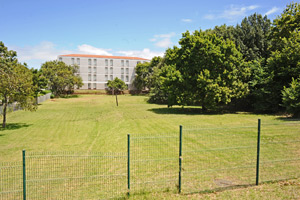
<point x="291" y="98"/>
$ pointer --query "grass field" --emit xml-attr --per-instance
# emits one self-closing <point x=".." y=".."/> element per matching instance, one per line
<point x="93" y="123"/>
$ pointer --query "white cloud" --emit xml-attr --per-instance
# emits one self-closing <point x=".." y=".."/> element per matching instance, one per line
<point x="210" y="16"/>
<point x="186" y="20"/>
<point x="43" y="51"/>
<point x="85" y="48"/>
<point x="273" y="10"/>
<point x="35" y="55"/>
<point x="232" y="12"/>
<point x="163" y="40"/>
<point x="145" y="53"/>
<point x="236" y="11"/>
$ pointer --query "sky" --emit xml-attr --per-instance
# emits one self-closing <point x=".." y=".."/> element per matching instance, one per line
<point x="41" y="30"/>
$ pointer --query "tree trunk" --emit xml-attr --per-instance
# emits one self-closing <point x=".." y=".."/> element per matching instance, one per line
<point x="117" y="100"/>
<point x="4" y="113"/>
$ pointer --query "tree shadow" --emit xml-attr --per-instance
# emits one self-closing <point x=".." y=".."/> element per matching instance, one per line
<point x="288" y="119"/>
<point x="70" y="96"/>
<point x="14" y="126"/>
<point x="186" y="111"/>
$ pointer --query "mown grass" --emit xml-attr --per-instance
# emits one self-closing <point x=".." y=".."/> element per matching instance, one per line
<point x="92" y="123"/>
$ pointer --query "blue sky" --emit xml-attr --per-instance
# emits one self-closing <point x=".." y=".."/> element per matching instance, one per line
<point x="41" y="30"/>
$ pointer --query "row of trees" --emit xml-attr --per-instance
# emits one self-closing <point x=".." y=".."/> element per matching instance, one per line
<point x="253" y="66"/>
<point x="22" y="85"/>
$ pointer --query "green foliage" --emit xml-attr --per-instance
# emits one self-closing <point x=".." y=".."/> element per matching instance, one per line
<point x="16" y="83"/>
<point x="291" y="97"/>
<point x="116" y="85"/>
<point x="144" y="73"/>
<point x="206" y="70"/>
<point x="39" y="81"/>
<point x="250" y="37"/>
<point x="62" y="78"/>
<point x="285" y="24"/>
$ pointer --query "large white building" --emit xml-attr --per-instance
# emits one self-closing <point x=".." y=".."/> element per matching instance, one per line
<point x="96" y="70"/>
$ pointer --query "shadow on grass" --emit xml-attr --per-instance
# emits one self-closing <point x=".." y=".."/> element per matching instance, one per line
<point x="14" y="126"/>
<point x="70" y="96"/>
<point x="232" y="187"/>
<point x="186" y="111"/>
<point x="289" y="119"/>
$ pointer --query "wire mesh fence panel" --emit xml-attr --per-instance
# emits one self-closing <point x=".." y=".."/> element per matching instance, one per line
<point x="154" y="162"/>
<point x="215" y="158"/>
<point x="11" y="181"/>
<point x="69" y="175"/>
<point x="280" y="151"/>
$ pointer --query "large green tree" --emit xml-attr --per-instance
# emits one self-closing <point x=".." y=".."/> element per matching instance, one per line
<point x="62" y="78"/>
<point x="283" y="65"/>
<point x="16" y="85"/>
<point x="206" y="70"/>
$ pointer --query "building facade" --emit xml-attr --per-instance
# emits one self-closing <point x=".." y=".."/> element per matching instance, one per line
<point x="96" y="70"/>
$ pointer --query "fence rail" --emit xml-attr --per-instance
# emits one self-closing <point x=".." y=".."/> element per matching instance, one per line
<point x="191" y="160"/>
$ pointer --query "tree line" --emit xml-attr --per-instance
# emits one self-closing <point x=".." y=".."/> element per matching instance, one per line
<point x="253" y="66"/>
<point x="20" y="84"/>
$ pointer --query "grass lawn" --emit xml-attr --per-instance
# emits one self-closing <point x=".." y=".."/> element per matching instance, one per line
<point x="93" y="123"/>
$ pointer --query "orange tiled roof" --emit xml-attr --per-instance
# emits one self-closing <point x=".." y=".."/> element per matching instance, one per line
<point x="99" y="56"/>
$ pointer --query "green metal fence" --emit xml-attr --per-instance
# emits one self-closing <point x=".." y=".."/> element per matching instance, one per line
<point x="193" y="159"/>
<point x="11" y="186"/>
<point x="73" y="175"/>
<point x="280" y="151"/>
<point x="214" y="158"/>
<point x="154" y="162"/>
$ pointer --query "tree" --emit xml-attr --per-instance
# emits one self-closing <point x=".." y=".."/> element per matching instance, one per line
<point x="144" y="73"/>
<point x="15" y="82"/>
<point x="62" y="78"/>
<point x="291" y="97"/>
<point x="116" y="86"/>
<point x="39" y="81"/>
<point x="206" y="70"/>
<point x="284" y="63"/>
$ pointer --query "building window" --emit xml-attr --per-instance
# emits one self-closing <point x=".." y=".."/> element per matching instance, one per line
<point x="60" y="59"/>
<point x="95" y="86"/>
<point x="127" y="70"/>
<point x="106" y="77"/>
<point x="72" y="61"/>
<point x="95" y="69"/>
<point x="90" y="77"/>
<point x="122" y="77"/>
<point x="127" y="78"/>
<point x="111" y="70"/>
<point x="95" y="62"/>
<point x="78" y="61"/>
<point x="106" y="62"/>
<point x="89" y="86"/>
<point x="95" y="77"/>
<point x="105" y="85"/>
<point x="106" y="70"/>
<point x="122" y="63"/>
<point x="111" y="63"/>
<point x="122" y="70"/>
<point x="90" y="70"/>
<point x="111" y="77"/>
<point x="127" y="63"/>
<point x="90" y="61"/>
<point x="138" y="62"/>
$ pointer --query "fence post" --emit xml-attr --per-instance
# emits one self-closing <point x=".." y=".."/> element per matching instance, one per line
<point x="24" y="175"/>
<point x="128" y="163"/>
<point x="258" y="151"/>
<point x="180" y="158"/>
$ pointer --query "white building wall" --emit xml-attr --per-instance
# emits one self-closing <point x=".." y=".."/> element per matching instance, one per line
<point x="101" y="71"/>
